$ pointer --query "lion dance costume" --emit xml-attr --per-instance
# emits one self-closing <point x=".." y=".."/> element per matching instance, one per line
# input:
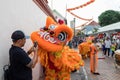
<point x="57" y="58"/>
<point x="84" y="48"/>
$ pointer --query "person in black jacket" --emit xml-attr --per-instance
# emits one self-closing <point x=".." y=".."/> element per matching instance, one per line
<point x="20" y="63"/>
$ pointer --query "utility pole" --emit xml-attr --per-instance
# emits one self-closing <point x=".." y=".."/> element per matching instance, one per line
<point x="74" y="27"/>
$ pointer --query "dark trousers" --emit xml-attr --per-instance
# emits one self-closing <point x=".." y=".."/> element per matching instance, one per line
<point x="107" y="50"/>
<point x="113" y="53"/>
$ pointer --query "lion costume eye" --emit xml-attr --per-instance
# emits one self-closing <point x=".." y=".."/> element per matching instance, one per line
<point x="52" y="27"/>
<point x="62" y="36"/>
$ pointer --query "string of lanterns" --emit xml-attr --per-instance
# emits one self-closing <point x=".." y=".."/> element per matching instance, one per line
<point x="78" y="7"/>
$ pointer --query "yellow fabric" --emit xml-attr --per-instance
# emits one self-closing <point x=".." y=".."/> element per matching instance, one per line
<point x="58" y="60"/>
<point x="84" y="49"/>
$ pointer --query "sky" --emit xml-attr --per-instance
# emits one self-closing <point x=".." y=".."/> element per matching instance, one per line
<point x="92" y="10"/>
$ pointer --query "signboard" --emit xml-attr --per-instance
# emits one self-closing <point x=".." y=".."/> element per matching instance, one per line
<point x="72" y="24"/>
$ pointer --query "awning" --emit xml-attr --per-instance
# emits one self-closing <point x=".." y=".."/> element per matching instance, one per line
<point x="108" y="28"/>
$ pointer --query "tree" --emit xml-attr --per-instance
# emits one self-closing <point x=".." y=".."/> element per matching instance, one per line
<point x="109" y="17"/>
<point x="95" y="30"/>
<point x="80" y="33"/>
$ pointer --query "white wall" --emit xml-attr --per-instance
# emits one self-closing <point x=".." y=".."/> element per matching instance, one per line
<point x="17" y="14"/>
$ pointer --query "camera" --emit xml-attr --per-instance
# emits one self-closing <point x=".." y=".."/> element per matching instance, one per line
<point x="35" y="44"/>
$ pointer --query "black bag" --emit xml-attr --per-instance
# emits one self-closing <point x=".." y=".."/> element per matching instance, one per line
<point x="6" y="72"/>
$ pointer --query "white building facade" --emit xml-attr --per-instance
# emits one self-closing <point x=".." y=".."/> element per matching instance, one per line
<point x="25" y="15"/>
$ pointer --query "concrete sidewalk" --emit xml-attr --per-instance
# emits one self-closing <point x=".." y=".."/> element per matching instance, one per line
<point x="81" y="74"/>
<point x="106" y="68"/>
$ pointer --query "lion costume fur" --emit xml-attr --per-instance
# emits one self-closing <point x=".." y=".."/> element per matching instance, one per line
<point x="57" y="58"/>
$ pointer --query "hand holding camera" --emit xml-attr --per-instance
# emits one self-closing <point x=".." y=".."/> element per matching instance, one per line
<point x="35" y="44"/>
<point x="33" y="48"/>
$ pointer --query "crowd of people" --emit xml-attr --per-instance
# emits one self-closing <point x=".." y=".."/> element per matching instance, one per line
<point x="107" y="45"/>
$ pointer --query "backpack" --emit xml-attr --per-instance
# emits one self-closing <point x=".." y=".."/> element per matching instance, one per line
<point x="6" y="72"/>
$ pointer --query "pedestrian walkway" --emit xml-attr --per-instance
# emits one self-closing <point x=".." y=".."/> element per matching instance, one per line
<point x="80" y="74"/>
<point x="106" y="68"/>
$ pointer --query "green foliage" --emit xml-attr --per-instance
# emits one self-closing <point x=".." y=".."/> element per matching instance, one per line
<point x="95" y="30"/>
<point x="109" y="17"/>
<point x="80" y="33"/>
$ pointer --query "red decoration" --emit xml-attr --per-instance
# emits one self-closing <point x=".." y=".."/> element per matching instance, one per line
<point x="60" y="21"/>
<point x="81" y="6"/>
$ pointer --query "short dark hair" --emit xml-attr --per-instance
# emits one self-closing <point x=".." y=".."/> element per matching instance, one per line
<point x="16" y="35"/>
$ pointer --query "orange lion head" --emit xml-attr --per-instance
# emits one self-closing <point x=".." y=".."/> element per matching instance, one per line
<point x="53" y="36"/>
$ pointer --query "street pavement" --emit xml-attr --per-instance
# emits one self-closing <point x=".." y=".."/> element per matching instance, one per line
<point x="106" y="68"/>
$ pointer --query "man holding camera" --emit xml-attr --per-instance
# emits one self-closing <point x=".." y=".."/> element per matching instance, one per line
<point x="20" y="63"/>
